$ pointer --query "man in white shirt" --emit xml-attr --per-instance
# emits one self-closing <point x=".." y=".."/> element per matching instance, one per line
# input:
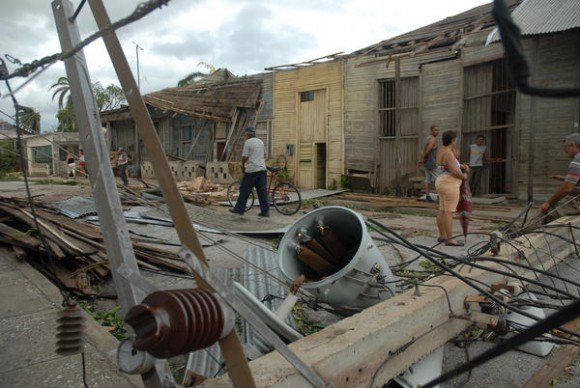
<point x="477" y="155"/>
<point x="254" y="168"/>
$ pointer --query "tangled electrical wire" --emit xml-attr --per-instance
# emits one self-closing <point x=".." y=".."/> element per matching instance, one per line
<point x="143" y="9"/>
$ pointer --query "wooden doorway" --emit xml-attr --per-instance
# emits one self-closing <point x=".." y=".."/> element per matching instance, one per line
<point x="489" y="109"/>
<point x="312" y="119"/>
<point x="320" y="165"/>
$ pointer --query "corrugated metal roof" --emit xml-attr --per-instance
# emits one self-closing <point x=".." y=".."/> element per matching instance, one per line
<point x="546" y="16"/>
<point x="535" y="17"/>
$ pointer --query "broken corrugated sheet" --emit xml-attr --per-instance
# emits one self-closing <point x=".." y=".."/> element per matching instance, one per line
<point x="75" y="207"/>
<point x="304" y="195"/>
<point x="226" y="222"/>
<point x="217" y="101"/>
<point x="257" y="276"/>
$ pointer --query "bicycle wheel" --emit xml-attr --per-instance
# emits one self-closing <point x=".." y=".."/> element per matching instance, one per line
<point x="286" y="198"/>
<point x="234" y="193"/>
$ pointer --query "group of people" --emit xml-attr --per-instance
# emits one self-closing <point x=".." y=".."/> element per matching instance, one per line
<point x="71" y="166"/>
<point x="443" y="168"/>
<point x="118" y="159"/>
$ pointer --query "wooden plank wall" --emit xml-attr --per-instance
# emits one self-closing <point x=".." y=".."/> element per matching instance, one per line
<point x="558" y="65"/>
<point x="287" y="86"/>
<point x="362" y="76"/>
<point x="554" y="63"/>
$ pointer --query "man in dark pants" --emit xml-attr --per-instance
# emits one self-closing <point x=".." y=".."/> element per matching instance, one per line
<point x="254" y="168"/>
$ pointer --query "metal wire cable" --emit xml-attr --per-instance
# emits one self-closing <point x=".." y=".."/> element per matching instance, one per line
<point x="24" y="169"/>
<point x="77" y="11"/>
<point x="142" y="10"/>
<point x="463" y="279"/>
<point x="560" y="317"/>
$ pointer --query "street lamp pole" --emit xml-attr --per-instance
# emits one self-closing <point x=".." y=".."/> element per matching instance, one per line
<point x="137" y="48"/>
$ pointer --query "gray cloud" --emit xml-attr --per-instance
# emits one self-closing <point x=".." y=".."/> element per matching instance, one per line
<point x="250" y="43"/>
<point x="194" y="44"/>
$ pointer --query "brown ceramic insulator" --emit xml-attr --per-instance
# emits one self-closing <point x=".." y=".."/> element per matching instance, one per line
<point x="315" y="261"/>
<point x="332" y="242"/>
<point x="169" y="323"/>
<point x="319" y="249"/>
<point x="70" y="330"/>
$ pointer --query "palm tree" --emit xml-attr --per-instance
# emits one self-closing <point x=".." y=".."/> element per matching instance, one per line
<point x="29" y="119"/>
<point x="197" y="75"/>
<point x="62" y="89"/>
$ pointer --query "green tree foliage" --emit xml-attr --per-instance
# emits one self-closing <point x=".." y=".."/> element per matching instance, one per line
<point x="197" y="75"/>
<point x="29" y="119"/>
<point x="107" y="98"/>
<point x="8" y="157"/>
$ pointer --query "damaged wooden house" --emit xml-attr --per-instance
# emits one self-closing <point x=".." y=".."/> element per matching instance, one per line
<point x="308" y="113"/>
<point x="445" y="74"/>
<point x="200" y="126"/>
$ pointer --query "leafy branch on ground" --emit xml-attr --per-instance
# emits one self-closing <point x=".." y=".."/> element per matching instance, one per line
<point x="110" y="319"/>
<point x="303" y="323"/>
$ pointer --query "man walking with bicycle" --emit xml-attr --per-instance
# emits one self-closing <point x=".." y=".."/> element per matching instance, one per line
<point x="254" y="168"/>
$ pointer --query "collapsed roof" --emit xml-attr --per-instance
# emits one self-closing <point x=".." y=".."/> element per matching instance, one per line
<point x="217" y="100"/>
<point x="446" y="32"/>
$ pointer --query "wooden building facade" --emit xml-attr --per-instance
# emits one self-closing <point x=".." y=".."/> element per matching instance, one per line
<point x="308" y="112"/>
<point x="202" y="122"/>
<point x="444" y="74"/>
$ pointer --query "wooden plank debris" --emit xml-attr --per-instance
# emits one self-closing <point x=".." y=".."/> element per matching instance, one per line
<point x="79" y="258"/>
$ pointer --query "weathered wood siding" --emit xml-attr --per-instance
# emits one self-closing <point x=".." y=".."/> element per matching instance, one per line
<point x="287" y="88"/>
<point x="389" y="158"/>
<point x="554" y="62"/>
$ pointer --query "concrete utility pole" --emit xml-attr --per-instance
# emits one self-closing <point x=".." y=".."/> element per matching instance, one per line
<point x="117" y="241"/>
<point x="137" y="48"/>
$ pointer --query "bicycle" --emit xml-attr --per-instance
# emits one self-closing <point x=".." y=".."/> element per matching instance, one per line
<point x="284" y="196"/>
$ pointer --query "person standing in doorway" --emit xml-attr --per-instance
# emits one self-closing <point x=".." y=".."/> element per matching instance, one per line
<point x="122" y="161"/>
<point x="477" y="156"/>
<point x="254" y="168"/>
<point x="429" y="163"/>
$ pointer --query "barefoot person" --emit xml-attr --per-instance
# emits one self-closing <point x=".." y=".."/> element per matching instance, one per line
<point x="447" y="184"/>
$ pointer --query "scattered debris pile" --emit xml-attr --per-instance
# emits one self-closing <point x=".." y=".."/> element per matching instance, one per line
<point x="70" y="252"/>
<point x="201" y="191"/>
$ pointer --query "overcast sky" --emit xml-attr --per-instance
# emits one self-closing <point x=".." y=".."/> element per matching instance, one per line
<point x="243" y="36"/>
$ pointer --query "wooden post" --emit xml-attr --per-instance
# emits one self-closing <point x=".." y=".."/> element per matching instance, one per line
<point x="116" y="237"/>
<point x="398" y="166"/>
<point x="230" y="345"/>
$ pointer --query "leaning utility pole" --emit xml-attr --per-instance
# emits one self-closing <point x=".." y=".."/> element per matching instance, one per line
<point x="117" y="241"/>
